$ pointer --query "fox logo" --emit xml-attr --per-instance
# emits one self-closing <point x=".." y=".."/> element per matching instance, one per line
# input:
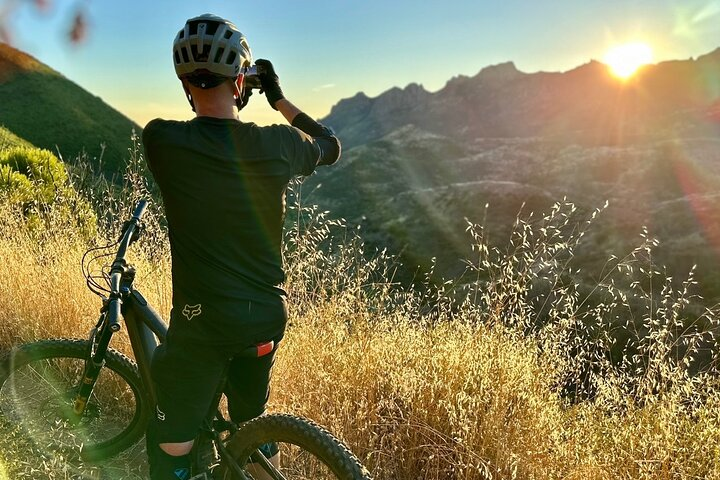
<point x="191" y="311"/>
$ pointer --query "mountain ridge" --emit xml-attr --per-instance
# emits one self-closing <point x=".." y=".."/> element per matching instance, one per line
<point x="581" y="104"/>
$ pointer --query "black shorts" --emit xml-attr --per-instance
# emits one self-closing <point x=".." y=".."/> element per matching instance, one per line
<point x="187" y="373"/>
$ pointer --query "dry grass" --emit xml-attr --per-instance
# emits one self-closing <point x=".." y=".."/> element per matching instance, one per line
<point x="509" y="377"/>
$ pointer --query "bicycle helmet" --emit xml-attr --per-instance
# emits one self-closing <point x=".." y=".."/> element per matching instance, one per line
<point x="210" y="45"/>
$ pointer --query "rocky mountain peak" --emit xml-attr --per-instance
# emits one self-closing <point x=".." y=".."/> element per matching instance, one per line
<point x="410" y="92"/>
<point x="593" y="68"/>
<point x="356" y="105"/>
<point x="502" y="72"/>
<point x="396" y="99"/>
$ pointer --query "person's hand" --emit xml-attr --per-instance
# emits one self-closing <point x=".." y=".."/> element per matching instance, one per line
<point x="269" y="81"/>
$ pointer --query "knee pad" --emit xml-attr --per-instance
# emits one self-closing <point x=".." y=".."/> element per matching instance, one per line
<point x="164" y="466"/>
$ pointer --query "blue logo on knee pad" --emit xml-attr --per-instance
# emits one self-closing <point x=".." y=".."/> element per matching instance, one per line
<point x="182" y="473"/>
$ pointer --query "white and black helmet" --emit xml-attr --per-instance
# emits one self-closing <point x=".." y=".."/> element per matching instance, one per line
<point x="212" y="44"/>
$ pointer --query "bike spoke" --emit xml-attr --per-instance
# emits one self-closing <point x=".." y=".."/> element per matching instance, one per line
<point x="298" y="464"/>
<point x="40" y="396"/>
<point x="295" y="464"/>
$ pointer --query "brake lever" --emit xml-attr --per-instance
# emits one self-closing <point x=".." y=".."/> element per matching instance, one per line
<point x="139" y="229"/>
<point x="125" y="226"/>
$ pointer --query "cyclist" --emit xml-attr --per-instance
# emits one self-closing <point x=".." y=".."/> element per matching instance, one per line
<point x="223" y="184"/>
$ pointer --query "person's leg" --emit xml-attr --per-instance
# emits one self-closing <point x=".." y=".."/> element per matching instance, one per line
<point x="164" y="465"/>
<point x="186" y="378"/>
<point x="248" y="378"/>
<point x="248" y="386"/>
<point x="248" y="390"/>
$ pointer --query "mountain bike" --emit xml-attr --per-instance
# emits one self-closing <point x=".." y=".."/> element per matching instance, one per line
<point x="82" y="395"/>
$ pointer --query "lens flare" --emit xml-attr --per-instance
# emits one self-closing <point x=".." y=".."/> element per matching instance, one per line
<point x="625" y="60"/>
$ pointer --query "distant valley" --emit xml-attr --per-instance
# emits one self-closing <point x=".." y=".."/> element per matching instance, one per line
<point x="419" y="163"/>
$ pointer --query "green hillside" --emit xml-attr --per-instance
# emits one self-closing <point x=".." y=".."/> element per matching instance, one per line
<point x="9" y="139"/>
<point x="48" y="110"/>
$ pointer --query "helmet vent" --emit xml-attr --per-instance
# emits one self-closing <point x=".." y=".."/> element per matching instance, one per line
<point x="208" y="27"/>
<point x="231" y="58"/>
<point x="228" y="34"/>
<point x="181" y="34"/>
<point x="218" y="55"/>
<point x="199" y="56"/>
<point x="185" y="57"/>
<point x="177" y="58"/>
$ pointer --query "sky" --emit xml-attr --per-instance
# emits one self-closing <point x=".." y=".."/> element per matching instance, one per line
<point x="327" y="50"/>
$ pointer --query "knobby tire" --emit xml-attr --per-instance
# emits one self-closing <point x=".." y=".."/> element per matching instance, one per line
<point x="316" y="443"/>
<point x="56" y="363"/>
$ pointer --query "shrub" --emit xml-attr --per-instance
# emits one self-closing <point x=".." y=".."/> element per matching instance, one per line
<point x="15" y="185"/>
<point x="35" y="184"/>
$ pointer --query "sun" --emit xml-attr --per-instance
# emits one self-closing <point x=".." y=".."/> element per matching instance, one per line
<point x="624" y="60"/>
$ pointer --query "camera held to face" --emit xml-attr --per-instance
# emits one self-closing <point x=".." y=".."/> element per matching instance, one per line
<point x="252" y="79"/>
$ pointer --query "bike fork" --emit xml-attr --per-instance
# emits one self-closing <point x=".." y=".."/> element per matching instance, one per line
<point x="93" y="365"/>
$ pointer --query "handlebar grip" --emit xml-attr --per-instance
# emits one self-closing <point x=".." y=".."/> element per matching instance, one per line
<point x="114" y="314"/>
<point x="140" y="209"/>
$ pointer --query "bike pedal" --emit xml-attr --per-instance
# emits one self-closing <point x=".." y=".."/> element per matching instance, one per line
<point x="223" y="425"/>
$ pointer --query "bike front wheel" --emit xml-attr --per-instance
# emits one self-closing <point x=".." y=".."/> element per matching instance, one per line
<point x="306" y="451"/>
<point x="38" y="384"/>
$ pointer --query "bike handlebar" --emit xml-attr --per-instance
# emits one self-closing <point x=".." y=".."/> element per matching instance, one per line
<point x="129" y="231"/>
<point x="140" y="209"/>
<point x="114" y="314"/>
<point x="118" y="266"/>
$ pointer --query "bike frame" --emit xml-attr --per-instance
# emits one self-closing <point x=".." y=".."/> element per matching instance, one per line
<point x="145" y="327"/>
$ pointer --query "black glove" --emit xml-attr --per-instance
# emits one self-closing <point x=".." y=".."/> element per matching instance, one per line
<point x="244" y="98"/>
<point x="269" y="81"/>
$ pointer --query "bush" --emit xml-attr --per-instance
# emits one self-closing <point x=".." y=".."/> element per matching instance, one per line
<point x="35" y="184"/>
<point x="14" y="185"/>
<point x="42" y="167"/>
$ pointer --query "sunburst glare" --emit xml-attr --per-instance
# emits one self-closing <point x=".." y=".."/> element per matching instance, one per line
<point x="624" y="60"/>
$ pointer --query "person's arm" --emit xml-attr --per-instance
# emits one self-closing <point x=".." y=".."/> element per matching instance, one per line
<point x="148" y="142"/>
<point x="324" y="137"/>
<point x="287" y="109"/>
